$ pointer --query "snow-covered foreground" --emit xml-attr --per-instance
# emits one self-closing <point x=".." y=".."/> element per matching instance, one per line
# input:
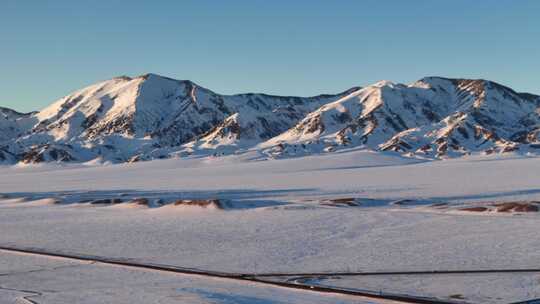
<point x="283" y="227"/>
<point x="27" y="278"/>
<point x="473" y="288"/>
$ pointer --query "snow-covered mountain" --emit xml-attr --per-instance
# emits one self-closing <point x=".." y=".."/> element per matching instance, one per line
<point x="148" y="117"/>
<point x="434" y="117"/>
<point x="128" y="119"/>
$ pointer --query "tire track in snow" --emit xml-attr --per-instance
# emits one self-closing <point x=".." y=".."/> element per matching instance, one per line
<point x="224" y="275"/>
<point x="385" y="273"/>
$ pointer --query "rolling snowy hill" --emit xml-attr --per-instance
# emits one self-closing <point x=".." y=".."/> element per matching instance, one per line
<point x="150" y="116"/>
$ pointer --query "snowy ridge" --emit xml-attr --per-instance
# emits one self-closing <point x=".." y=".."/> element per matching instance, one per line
<point x="148" y="117"/>
<point x="433" y="117"/>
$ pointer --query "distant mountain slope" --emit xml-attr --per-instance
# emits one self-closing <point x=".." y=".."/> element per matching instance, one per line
<point x="147" y="117"/>
<point x="433" y="117"/>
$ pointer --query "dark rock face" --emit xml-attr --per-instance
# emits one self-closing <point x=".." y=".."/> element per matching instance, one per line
<point x="47" y="153"/>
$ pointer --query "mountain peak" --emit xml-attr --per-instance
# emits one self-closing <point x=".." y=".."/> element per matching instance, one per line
<point x="154" y="76"/>
<point x="383" y="83"/>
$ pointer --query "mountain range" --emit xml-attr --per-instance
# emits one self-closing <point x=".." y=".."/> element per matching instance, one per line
<point x="148" y="117"/>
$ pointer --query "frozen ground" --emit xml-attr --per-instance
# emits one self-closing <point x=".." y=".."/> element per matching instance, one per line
<point x="277" y="224"/>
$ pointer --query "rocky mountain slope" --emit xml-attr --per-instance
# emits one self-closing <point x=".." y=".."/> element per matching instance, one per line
<point x="148" y="117"/>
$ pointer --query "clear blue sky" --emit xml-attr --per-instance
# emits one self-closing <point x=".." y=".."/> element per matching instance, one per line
<point x="50" y="48"/>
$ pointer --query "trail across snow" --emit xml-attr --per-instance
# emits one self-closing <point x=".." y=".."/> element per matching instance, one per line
<point x="42" y="280"/>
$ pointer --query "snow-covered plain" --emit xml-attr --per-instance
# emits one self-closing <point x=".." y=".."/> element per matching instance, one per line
<point x="276" y="222"/>
<point x="355" y="172"/>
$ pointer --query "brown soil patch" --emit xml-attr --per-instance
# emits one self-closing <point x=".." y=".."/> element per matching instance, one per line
<point x="506" y="207"/>
<point x="107" y="201"/>
<point x="340" y="202"/>
<point x="475" y="209"/>
<point x="140" y="201"/>
<point x="516" y="207"/>
<point x="200" y="203"/>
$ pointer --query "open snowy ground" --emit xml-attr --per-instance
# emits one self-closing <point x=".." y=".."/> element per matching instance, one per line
<point x="365" y="174"/>
<point x="26" y="278"/>
<point x="276" y="222"/>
